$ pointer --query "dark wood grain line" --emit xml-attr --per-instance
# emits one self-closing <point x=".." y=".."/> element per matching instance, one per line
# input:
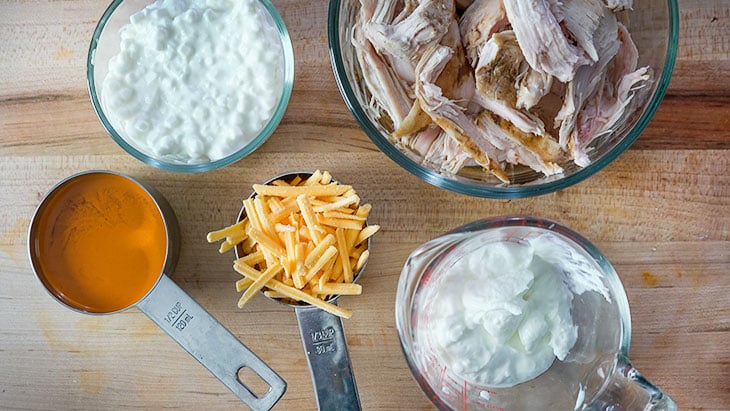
<point x="37" y="98"/>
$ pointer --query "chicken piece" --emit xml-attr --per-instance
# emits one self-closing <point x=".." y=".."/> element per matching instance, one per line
<point x="532" y="86"/>
<point x="421" y="142"/>
<point x="406" y="9"/>
<point x="403" y="43"/>
<point x="495" y="137"/>
<point x="499" y="65"/>
<point x="482" y="19"/>
<point x="447" y="154"/>
<point x="463" y="4"/>
<point x="603" y="111"/>
<point x="627" y="56"/>
<point x="537" y="152"/>
<point x="588" y="78"/>
<point x="385" y="13"/>
<point x="524" y="121"/>
<point x="456" y="82"/>
<point x="415" y="121"/>
<point x="580" y="18"/>
<point x="543" y="43"/>
<point x="438" y="149"/>
<point x="496" y="74"/>
<point x="450" y="116"/>
<point x="456" y="79"/>
<point x="387" y="91"/>
<point x="377" y="11"/>
<point x="618" y="5"/>
<point x="608" y="105"/>
<point x="502" y="74"/>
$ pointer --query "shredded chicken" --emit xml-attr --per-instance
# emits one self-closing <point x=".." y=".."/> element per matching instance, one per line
<point x="488" y="83"/>
<point x="478" y="23"/>
<point x="456" y="82"/>
<point x="531" y="86"/>
<point x="546" y="47"/>
<point x="607" y="105"/>
<point x="447" y="154"/>
<point x="422" y="142"/>
<point x="375" y="11"/>
<point x="497" y="72"/>
<point x="581" y="18"/>
<point x="617" y="5"/>
<point x="403" y="43"/>
<point x="532" y="150"/>
<point x="386" y="89"/>
<point x="450" y="116"/>
<point x="589" y="77"/>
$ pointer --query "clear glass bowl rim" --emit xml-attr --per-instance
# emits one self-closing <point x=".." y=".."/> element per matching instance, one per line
<point x="263" y="135"/>
<point x="496" y="192"/>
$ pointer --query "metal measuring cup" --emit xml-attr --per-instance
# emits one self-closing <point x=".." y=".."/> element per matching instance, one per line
<point x="168" y="306"/>
<point x="323" y="338"/>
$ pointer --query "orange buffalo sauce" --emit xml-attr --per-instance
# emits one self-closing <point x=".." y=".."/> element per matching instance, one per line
<point x="100" y="242"/>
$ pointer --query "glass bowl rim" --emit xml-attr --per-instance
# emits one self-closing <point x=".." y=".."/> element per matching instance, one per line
<point x="256" y="142"/>
<point x="496" y="192"/>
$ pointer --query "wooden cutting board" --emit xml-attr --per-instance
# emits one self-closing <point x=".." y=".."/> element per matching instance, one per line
<point x="661" y="213"/>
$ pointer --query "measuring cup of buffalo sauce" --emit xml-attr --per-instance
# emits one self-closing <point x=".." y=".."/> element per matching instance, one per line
<point x="519" y="313"/>
<point x="101" y="242"/>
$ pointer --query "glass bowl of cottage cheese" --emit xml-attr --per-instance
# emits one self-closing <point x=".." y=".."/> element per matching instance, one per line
<point x="516" y="313"/>
<point x="190" y="85"/>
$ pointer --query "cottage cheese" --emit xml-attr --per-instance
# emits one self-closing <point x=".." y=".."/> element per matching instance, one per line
<point x="501" y="314"/>
<point x="195" y="80"/>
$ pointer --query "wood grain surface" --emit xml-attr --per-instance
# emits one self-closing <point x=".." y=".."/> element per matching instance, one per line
<point x="660" y="213"/>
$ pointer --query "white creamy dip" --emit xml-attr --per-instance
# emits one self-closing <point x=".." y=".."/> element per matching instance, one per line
<point x="195" y="80"/>
<point x="501" y="314"/>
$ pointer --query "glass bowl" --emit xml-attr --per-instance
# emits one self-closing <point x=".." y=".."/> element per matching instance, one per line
<point x="105" y="44"/>
<point x="654" y="27"/>
<point x="596" y="371"/>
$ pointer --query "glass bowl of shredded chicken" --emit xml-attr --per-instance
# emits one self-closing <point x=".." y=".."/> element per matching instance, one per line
<point x="503" y="98"/>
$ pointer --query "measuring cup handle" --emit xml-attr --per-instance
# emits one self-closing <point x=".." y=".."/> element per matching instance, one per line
<point x="210" y="343"/>
<point x="328" y="358"/>
<point x="627" y="389"/>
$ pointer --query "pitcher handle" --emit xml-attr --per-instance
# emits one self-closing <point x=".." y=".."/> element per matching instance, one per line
<point x="627" y="389"/>
<point x="201" y="335"/>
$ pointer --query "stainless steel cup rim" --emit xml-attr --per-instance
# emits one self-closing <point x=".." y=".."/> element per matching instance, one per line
<point x="166" y="212"/>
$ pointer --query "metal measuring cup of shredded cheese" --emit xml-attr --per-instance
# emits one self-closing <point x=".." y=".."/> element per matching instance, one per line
<point x="168" y="306"/>
<point x="323" y="338"/>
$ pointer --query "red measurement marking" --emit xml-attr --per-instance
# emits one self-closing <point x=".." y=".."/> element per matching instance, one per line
<point x="509" y="235"/>
<point x="464" y="397"/>
<point x="489" y="406"/>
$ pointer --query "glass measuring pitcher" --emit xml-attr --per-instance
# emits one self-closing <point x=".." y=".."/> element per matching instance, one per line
<point x="596" y="373"/>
